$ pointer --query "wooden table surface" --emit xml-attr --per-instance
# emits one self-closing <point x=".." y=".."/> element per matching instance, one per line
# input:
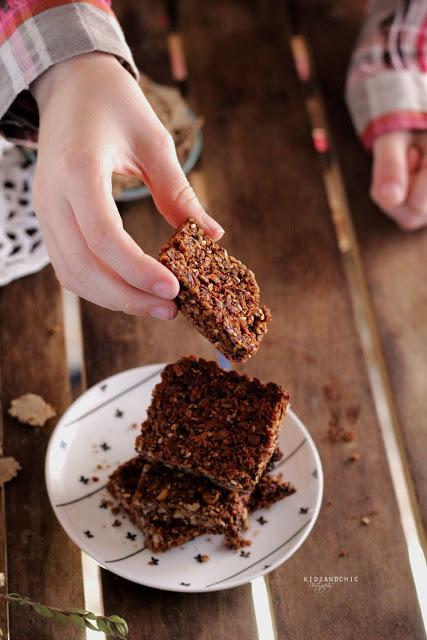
<point x="263" y="180"/>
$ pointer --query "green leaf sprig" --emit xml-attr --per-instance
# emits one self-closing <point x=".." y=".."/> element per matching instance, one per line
<point x="113" y="626"/>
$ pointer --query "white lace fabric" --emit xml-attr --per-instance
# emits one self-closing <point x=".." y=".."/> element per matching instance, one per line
<point x="22" y="250"/>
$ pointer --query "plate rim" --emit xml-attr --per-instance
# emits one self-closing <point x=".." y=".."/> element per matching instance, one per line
<point x="178" y="588"/>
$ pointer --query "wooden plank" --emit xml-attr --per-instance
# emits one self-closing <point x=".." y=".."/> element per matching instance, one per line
<point x="392" y="258"/>
<point x="114" y="342"/>
<point x="43" y="564"/>
<point x="263" y="184"/>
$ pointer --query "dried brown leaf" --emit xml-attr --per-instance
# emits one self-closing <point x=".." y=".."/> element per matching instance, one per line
<point x="9" y="468"/>
<point x="31" y="409"/>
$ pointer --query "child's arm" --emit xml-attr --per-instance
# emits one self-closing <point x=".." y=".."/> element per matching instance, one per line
<point x="94" y="120"/>
<point x="387" y="97"/>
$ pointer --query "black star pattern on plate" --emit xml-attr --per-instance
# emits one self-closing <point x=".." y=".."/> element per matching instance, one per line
<point x="261" y="520"/>
<point x="88" y="534"/>
<point x="154" y="561"/>
<point x="131" y="536"/>
<point x="119" y="413"/>
<point x="200" y="558"/>
<point x="83" y="479"/>
<point x="315" y="474"/>
<point x="266" y="566"/>
<point x="245" y="554"/>
<point x="63" y="444"/>
<point x="104" y="446"/>
<point x="185" y="584"/>
<point x="103" y="386"/>
<point x="303" y="510"/>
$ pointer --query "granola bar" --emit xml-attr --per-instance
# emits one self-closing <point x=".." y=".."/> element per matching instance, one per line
<point x="218" y="294"/>
<point x="167" y="495"/>
<point x="160" y="537"/>
<point x="214" y="423"/>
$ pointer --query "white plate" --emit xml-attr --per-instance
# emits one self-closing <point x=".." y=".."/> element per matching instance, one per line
<point x="96" y="434"/>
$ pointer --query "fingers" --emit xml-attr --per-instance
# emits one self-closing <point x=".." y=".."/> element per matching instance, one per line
<point x="171" y="191"/>
<point x="83" y="273"/>
<point x="89" y="193"/>
<point x="417" y="202"/>
<point x="390" y="172"/>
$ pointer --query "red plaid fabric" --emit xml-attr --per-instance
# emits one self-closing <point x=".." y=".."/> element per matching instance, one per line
<point x="34" y="35"/>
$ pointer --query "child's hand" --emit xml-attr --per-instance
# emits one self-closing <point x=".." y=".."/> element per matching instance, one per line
<point x="95" y="120"/>
<point x="399" y="177"/>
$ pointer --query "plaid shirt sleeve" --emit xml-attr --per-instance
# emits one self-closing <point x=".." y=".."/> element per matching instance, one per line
<point x="36" y="34"/>
<point x="387" y="79"/>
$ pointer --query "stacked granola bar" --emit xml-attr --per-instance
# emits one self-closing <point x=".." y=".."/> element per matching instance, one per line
<point x="203" y="452"/>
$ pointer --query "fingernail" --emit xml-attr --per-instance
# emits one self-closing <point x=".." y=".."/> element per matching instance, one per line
<point x="392" y="192"/>
<point x="161" y="313"/>
<point x="215" y="229"/>
<point x="167" y="290"/>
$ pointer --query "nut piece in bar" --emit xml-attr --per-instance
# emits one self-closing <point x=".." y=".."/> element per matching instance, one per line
<point x="214" y="423"/>
<point x="218" y="294"/>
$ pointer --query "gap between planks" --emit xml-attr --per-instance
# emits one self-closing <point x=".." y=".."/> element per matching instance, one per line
<point x="365" y="318"/>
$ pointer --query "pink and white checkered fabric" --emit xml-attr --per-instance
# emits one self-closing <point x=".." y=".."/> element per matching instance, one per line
<point x="36" y="34"/>
<point x="387" y="79"/>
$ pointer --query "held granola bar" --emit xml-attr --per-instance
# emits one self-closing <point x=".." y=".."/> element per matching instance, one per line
<point x="214" y="423"/>
<point x="219" y="295"/>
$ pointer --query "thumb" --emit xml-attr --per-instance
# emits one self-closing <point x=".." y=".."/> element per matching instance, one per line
<point x="173" y="194"/>
<point x="390" y="171"/>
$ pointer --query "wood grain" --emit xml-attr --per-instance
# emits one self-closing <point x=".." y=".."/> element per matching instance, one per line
<point x="43" y="563"/>
<point x="393" y="259"/>
<point x="263" y="184"/>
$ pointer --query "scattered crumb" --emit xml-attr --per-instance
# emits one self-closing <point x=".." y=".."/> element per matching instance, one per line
<point x="95" y="479"/>
<point x="331" y="393"/>
<point x="348" y="436"/>
<point x="352" y="414"/>
<point x="134" y="425"/>
<point x="53" y="330"/>
<point x="343" y="553"/>
<point x="329" y="502"/>
<point x="99" y="467"/>
<point x="365" y="520"/>
<point x="201" y="558"/>
<point x="115" y="510"/>
<point x="116" y="523"/>
<point x="31" y="409"/>
<point x="339" y="434"/>
<point x="353" y="457"/>
<point x="9" y="468"/>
